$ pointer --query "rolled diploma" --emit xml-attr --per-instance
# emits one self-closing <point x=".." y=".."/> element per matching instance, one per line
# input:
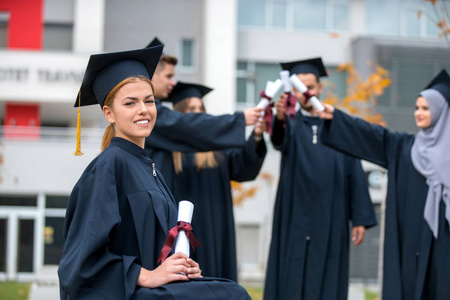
<point x="287" y="86"/>
<point x="271" y="89"/>
<point x="298" y="84"/>
<point x="185" y="211"/>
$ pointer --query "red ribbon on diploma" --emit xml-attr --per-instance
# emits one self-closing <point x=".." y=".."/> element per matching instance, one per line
<point x="290" y="105"/>
<point x="268" y="114"/>
<point x="168" y="245"/>
<point x="307" y="95"/>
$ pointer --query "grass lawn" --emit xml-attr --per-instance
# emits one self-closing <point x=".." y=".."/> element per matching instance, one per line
<point x="370" y="295"/>
<point x="255" y="293"/>
<point x="14" y="291"/>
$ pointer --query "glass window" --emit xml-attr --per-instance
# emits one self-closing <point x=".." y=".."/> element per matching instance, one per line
<point x="241" y="90"/>
<point x="3" y="231"/>
<point x="25" y="249"/>
<point x="279" y="9"/>
<point x="340" y="17"/>
<point x="265" y="72"/>
<point x="58" y="36"/>
<point x="187" y="53"/>
<point x="412" y="22"/>
<point x="382" y="16"/>
<point x="309" y="14"/>
<point x="334" y="83"/>
<point x="4" y="19"/>
<point x="18" y="201"/>
<point x="53" y="239"/>
<point x="56" y="201"/>
<point x="251" y="12"/>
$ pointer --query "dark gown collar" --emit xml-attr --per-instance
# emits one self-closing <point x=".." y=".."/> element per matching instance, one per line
<point x="130" y="147"/>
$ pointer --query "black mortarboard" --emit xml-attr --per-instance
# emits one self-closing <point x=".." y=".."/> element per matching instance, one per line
<point x="183" y="90"/>
<point x="313" y="65"/>
<point x="441" y="83"/>
<point x="105" y="71"/>
<point x="155" y="42"/>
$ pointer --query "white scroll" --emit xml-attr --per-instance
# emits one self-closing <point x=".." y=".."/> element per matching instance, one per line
<point x="185" y="211"/>
<point x="298" y="84"/>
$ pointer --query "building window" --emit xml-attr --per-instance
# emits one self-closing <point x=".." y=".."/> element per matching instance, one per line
<point x="187" y="57"/>
<point x="58" y="36"/>
<point x="317" y="15"/>
<point x="401" y="18"/>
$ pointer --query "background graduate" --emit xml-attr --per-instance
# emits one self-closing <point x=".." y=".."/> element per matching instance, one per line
<point x="120" y="210"/>
<point x="417" y="239"/>
<point x="175" y="131"/>
<point x="320" y="191"/>
<point x="204" y="179"/>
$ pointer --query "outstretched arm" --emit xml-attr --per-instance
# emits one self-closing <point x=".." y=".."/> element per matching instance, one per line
<point x="190" y="132"/>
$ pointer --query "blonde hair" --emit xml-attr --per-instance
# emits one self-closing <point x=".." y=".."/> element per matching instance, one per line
<point x="203" y="160"/>
<point x="110" y="131"/>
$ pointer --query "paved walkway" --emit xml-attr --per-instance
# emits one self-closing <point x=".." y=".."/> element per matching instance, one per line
<point x="46" y="286"/>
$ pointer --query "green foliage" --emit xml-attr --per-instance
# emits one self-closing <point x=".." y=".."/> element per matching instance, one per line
<point x="14" y="291"/>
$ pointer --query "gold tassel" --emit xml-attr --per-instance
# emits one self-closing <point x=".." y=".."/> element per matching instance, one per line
<point x="78" y="151"/>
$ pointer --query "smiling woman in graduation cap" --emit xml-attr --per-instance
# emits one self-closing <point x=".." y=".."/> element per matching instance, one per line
<point x="204" y="178"/>
<point x="120" y="211"/>
<point x="417" y="237"/>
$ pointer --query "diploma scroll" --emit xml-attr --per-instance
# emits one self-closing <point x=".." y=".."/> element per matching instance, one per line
<point x="299" y="85"/>
<point x="287" y="86"/>
<point x="185" y="211"/>
<point x="272" y="87"/>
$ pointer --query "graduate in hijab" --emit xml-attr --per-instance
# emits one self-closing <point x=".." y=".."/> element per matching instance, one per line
<point x="204" y="179"/>
<point x="417" y="237"/>
<point x="120" y="211"/>
<point x="321" y="193"/>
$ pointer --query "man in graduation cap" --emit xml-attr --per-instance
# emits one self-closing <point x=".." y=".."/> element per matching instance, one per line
<point x="175" y="131"/>
<point x="320" y="192"/>
<point x="416" y="259"/>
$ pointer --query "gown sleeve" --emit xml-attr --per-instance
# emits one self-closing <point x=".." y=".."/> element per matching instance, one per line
<point x="88" y="269"/>
<point x="279" y="136"/>
<point x="246" y="162"/>
<point x="357" y="137"/>
<point x="362" y="212"/>
<point x="192" y="132"/>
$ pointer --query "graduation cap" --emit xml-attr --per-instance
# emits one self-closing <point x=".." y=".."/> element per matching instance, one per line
<point x="105" y="71"/>
<point x="441" y="83"/>
<point x="183" y="90"/>
<point x="313" y="65"/>
<point x="154" y="42"/>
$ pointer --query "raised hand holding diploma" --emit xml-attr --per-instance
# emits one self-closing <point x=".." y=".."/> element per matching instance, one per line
<point x="266" y="95"/>
<point x="183" y="230"/>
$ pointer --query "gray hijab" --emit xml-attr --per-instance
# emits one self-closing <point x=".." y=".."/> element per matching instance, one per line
<point x="431" y="158"/>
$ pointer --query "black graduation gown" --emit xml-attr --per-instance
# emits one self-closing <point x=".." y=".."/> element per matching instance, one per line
<point x="416" y="266"/>
<point x="319" y="192"/>
<point x="210" y="191"/>
<point x="191" y="132"/>
<point x="117" y="220"/>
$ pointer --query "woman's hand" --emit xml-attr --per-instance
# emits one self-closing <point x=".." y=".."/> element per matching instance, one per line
<point x="327" y="114"/>
<point x="194" y="270"/>
<point x="252" y="115"/>
<point x="177" y="267"/>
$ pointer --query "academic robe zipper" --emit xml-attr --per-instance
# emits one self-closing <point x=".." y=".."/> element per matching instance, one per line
<point x="154" y="170"/>
<point x="314" y="130"/>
